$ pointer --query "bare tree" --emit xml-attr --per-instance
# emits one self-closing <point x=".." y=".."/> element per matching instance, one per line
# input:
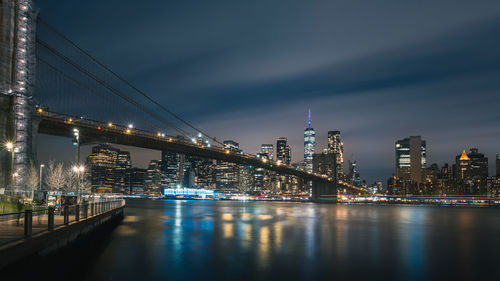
<point x="55" y="178"/>
<point x="70" y="179"/>
<point x="33" y="177"/>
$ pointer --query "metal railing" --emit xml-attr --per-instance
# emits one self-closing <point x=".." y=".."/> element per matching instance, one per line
<point x="20" y="225"/>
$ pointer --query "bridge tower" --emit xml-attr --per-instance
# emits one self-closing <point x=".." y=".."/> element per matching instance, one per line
<point x="324" y="191"/>
<point x="17" y="85"/>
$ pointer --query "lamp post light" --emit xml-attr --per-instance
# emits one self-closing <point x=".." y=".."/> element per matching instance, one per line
<point x="78" y="170"/>
<point x="76" y="134"/>
<point x="41" y="176"/>
<point x="10" y="148"/>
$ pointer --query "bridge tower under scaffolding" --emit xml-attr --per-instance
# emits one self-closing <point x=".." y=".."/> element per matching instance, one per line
<point x="17" y="85"/>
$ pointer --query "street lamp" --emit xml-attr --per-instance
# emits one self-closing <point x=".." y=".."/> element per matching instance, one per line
<point x="76" y="133"/>
<point x="78" y="170"/>
<point x="41" y="173"/>
<point x="9" y="145"/>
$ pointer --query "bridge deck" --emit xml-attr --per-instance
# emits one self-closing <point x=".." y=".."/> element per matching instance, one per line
<point x="96" y="131"/>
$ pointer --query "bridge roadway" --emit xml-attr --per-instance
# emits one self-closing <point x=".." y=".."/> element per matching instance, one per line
<point x="92" y="131"/>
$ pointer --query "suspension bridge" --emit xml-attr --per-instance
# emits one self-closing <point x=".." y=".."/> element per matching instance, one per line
<point x="51" y="85"/>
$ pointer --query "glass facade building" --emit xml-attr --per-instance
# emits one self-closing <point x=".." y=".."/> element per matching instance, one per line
<point x="309" y="145"/>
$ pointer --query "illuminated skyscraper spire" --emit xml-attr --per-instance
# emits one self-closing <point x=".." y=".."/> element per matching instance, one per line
<point x="309" y="118"/>
<point x="309" y="144"/>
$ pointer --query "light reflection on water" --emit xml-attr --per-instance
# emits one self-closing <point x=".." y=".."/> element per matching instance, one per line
<point x="222" y="240"/>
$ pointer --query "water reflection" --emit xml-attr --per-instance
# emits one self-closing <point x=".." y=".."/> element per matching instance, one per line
<point x="221" y="240"/>
<point x="263" y="257"/>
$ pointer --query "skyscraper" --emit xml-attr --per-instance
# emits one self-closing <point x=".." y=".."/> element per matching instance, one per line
<point x="462" y="167"/>
<point x="354" y="177"/>
<point x="135" y="181"/>
<point x="309" y="145"/>
<point x="336" y="147"/>
<point x="226" y="173"/>
<point x="411" y="159"/>
<point x="123" y="163"/>
<point x="269" y="150"/>
<point x="283" y="151"/>
<point x="170" y="169"/>
<point x="153" y="176"/>
<point x="102" y="163"/>
<point x="478" y="166"/>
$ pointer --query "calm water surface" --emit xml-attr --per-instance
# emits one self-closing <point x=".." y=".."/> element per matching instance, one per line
<point x="224" y="240"/>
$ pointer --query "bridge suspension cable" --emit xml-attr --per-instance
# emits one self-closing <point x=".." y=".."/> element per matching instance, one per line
<point x="53" y="67"/>
<point x="128" y="83"/>
<point x="109" y="87"/>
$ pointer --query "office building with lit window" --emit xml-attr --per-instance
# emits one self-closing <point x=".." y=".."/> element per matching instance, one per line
<point x="268" y="149"/>
<point x="336" y="147"/>
<point x="283" y="151"/>
<point x="169" y="169"/>
<point x="226" y="173"/>
<point x="123" y="163"/>
<point x="102" y="162"/>
<point x="411" y="159"/>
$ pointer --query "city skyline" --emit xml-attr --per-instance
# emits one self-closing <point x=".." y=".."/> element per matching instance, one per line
<point x="373" y="93"/>
<point x="250" y="140"/>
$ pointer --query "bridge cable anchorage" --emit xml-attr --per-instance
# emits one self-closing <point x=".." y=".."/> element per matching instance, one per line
<point x="127" y="82"/>
<point x="110" y="88"/>
<point x="94" y="91"/>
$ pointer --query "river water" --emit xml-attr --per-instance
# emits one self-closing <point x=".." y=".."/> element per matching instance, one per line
<point x="226" y="240"/>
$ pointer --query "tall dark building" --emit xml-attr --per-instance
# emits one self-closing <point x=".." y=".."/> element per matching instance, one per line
<point x="169" y="169"/>
<point x="354" y="177"/>
<point x="102" y="163"/>
<point x="123" y="163"/>
<point x="135" y="181"/>
<point x="336" y="147"/>
<point x="478" y="166"/>
<point x="411" y="159"/>
<point x="153" y="176"/>
<point x="283" y="151"/>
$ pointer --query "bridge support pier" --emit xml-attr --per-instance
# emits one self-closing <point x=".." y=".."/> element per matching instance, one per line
<point x="324" y="192"/>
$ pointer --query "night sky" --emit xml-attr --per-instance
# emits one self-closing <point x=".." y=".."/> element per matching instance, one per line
<point x="377" y="71"/>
